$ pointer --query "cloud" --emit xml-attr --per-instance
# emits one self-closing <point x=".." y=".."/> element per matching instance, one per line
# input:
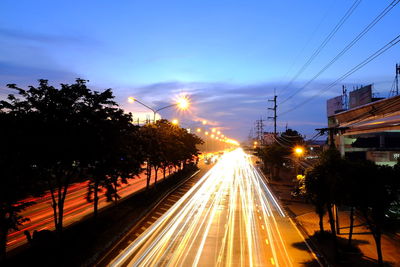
<point x="27" y="75"/>
<point x="24" y="36"/>
<point x="230" y="107"/>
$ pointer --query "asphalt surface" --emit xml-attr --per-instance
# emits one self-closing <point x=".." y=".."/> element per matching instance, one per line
<point x="164" y="204"/>
<point x="228" y="218"/>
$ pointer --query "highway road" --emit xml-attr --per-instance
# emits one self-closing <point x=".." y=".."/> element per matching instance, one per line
<point x="76" y="207"/>
<point x="229" y="218"/>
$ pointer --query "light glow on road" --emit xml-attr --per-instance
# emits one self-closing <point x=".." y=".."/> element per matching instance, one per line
<point x="75" y="208"/>
<point x="230" y="218"/>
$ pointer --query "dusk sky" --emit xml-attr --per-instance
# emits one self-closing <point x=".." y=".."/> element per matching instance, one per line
<point x="228" y="56"/>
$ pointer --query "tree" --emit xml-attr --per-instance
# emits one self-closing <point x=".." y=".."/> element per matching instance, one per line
<point x="355" y="175"/>
<point x="274" y="155"/>
<point x="278" y="153"/>
<point x="16" y="183"/>
<point x="151" y="146"/>
<point x="60" y="144"/>
<point x="322" y="185"/>
<point x="291" y="138"/>
<point x="379" y="187"/>
<point x="113" y="147"/>
<point x="312" y="186"/>
<point x="166" y="144"/>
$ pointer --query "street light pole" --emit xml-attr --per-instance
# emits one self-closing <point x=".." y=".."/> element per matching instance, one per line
<point x="156" y="111"/>
<point x="183" y="103"/>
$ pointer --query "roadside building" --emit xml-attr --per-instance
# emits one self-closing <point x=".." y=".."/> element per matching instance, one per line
<point x="269" y="138"/>
<point x="369" y="129"/>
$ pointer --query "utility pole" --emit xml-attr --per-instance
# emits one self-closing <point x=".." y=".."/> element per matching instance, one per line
<point x="397" y="78"/>
<point x="395" y="86"/>
<point x="260" y="130"/>
<point x="345" y="98"/>
<point x="274" y="109"/>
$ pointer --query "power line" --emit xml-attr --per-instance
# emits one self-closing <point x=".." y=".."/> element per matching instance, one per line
<point x="324" y="16"/>
<point x="347" y="47"/>
<point x="325" y="42"/>
<point x="347" y="74"/>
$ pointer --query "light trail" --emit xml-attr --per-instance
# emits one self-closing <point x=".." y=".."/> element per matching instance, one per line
<point x="229" y="218"/>
<point x="75" y="208"/>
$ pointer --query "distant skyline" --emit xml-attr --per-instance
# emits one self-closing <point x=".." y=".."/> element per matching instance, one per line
<point x="228" y="56"/>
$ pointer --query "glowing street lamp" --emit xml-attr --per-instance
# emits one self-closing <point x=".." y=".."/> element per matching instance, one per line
<point x="206" y="133"/>
<point x="175" y="122"/>
<point x="213" y="130"/>
<point x="198" y="130"/>
<point x="299" y="151"/>
<point x="181" y="103"/>
<point x="131" y="99"/>
<point x="204" y="122"/>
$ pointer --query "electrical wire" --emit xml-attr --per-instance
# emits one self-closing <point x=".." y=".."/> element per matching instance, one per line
<point x="347" y="74"/>
<point x="324" y="43"/>
<point x="347" y="47"/>
<point x="325" y="15"/>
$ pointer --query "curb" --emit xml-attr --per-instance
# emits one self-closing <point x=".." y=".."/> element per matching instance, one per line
<point x="321" y="259"/>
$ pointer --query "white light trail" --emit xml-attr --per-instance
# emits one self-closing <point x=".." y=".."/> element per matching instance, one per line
<point x="229" y="218"/>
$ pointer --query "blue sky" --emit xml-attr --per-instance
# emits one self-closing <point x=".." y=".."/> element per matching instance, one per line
<point x="227" y="55"/>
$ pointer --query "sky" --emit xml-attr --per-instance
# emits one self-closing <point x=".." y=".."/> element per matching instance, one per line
<point x="227" y="56"/>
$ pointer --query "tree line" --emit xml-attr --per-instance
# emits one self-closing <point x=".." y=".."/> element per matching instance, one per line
<point x="278" y="154"/>
<point x="53" y="137"/>
<point x="361" y="186"/>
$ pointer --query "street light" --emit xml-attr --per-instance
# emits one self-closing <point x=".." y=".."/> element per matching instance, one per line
<point x="198" y="130"/>
<point x="181" y="103"/>
<point x="175" y="122"/>
<point x="298" y="151"/>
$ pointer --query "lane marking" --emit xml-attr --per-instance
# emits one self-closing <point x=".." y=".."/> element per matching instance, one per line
<point x="266" y="241"/>
<point x="272" y="261"/>
<point x="262" y="226"/>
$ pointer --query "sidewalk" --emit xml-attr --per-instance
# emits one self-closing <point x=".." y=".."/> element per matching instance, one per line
<point x="308" y="219"/>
